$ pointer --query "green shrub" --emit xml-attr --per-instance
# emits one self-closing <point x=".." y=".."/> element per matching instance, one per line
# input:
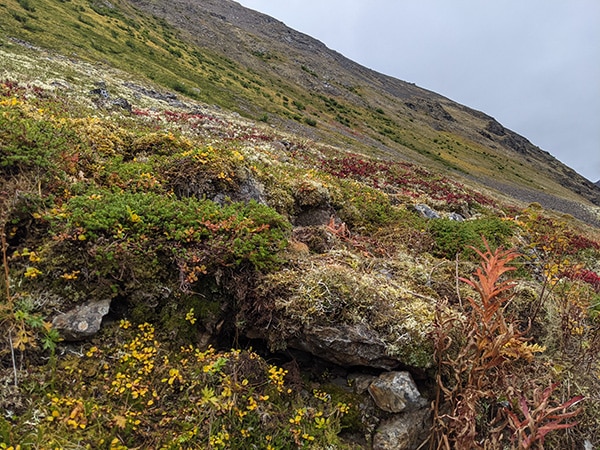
<point x="26" y="5"/>
<point x="452" y="237"/>
<point x="196" y="235"/>
<point x="28" y="143"/>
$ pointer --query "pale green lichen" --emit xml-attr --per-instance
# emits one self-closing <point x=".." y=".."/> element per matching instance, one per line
<point x="338" y="288"/>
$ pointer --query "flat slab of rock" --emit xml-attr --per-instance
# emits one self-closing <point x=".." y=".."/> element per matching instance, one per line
<point x="346" y="345"/>
<point x="81" y="322"/>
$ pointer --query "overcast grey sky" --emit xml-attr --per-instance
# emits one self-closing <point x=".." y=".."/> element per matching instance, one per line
<point x="534" y="65"/>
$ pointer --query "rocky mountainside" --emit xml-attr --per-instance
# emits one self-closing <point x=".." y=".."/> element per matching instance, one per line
<point x="286" y="56"/>
<point x="218" y="233"/>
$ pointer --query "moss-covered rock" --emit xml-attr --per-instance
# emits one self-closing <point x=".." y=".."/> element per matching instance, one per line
<point x="339" y="309"/>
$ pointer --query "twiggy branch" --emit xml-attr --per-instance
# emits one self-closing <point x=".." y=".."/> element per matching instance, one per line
<point x="5" y="263"/>
<point x="12" y="354"/>
<point x="457" y="279"/>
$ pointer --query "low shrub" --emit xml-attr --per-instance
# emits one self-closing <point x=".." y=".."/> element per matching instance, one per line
<point x="452" y="237"/>
<point x="127" y="229"/>
<point x="138" y="393"/>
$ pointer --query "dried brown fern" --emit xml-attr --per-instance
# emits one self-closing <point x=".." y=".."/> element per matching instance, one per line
<point x="477" y="370"/>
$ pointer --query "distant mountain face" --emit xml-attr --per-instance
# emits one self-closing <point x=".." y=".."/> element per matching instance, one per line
<point x="221" y="53"/>
<point x="447" y="134"/>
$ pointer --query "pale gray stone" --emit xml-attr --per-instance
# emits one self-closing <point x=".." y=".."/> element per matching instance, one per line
<point x="395" y="392"/>
<point x="402" y="432"/>
<point x="426" y="211"/>
<point x="82" y="321"/>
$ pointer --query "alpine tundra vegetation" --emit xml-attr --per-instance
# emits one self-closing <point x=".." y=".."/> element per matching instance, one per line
<point x="216" y="237"/>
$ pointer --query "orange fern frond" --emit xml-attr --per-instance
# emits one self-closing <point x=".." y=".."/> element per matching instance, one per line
<point x="487" y="280"/>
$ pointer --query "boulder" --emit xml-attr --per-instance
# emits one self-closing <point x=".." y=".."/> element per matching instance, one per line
<point x="81" y="322"/>
<point x="395" y="392"/>
<point x="404" y="431"/>
<point x="455" y="216"/>
<point x="426" y="211"/>
<point x="346" y="345"/>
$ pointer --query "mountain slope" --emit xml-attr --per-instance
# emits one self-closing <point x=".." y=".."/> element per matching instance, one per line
<point x="268" y="46"/>
<point x="222" y="53"/>
<point x="153" y="232"/>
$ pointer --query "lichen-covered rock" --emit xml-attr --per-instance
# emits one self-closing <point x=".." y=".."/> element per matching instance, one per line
<point x="426" y="211"/>
<point x="81" y="322"/>
<point x="395" y="392"/>
<point x="333" y="307"/>
<point x="404" y="431"/>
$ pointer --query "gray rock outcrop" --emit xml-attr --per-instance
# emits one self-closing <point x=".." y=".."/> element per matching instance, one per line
<point x="81" y="322"/>
<point x="346" y="345"/>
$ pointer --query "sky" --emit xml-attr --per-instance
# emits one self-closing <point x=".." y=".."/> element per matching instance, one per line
<point x="533" y="65"/>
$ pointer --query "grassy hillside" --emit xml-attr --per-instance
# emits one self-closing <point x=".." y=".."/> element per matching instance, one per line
<point x="264" y="71"/>
<point x="225" y="244"/>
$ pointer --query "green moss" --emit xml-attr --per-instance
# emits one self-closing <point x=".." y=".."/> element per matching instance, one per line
<point x="350" y="422"/>
<point x="452" y="237"/>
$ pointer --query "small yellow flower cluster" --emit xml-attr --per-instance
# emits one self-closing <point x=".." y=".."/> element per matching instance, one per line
<point x="68" y="411"/>
<point x="33" y="257"/>
<point x="321" y="395"/>
<point x="142" y="349"/>
<point x="11" y="102"/>
<point x="138" y="363"/>
<point x="4" y="446"/>
<point x="147" y="181"/>
<point x="174" y="375"/>
<point x="129" y="420"/>
<point x="93" y="352"/>
<point x="190" y="316"/>
<point x="73" y="275"/>
<point x="343" y="408"/>
<point x="32" y="272"/>
<point x="299" y="434"/>
<point x="298" y="416"/>
<point x="220" y="440"/>
<point x="277" y="377"/>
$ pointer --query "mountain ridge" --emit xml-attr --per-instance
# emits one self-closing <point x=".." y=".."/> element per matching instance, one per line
<point x="264" y="35"/>
<point x="242" y="60"/>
